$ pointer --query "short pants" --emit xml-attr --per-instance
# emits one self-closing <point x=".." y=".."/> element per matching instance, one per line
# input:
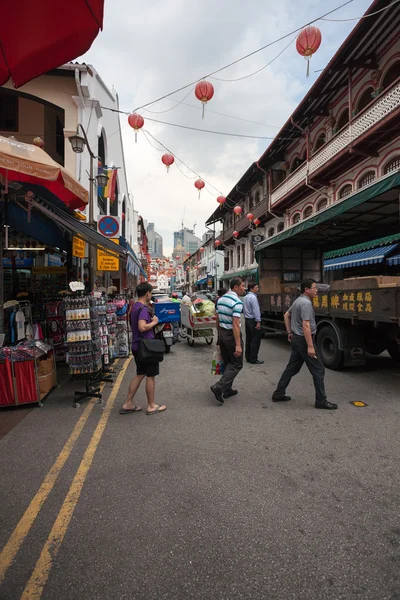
<point x="147" y="369"/>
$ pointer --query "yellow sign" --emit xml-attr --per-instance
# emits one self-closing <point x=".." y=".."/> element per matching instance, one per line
<point x="107" y="260"/>
<point x="48" y="270"/>
<point x="78" y="247"/>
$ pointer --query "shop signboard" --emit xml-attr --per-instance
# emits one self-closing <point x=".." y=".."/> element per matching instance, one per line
<point x="107" y="260"/>
<point x="20" y="263"/>
<point x="109" y="226"/>
<point x="78" y="247"/>
<point x="54" y="260"/>
<point x="48" y="270"/>
<point x="210" y="283"/>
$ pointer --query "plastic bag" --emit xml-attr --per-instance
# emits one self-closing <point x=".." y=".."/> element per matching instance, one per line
<point x="217" y="366"/>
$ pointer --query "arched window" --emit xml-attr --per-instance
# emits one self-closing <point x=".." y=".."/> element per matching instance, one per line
<point x="296" y="218"/>
<point x="391" y="75"/>
<point x="323" y="203"/>
<point x="281" y="227"/>
<point x="366" y="179"/>
<point x="238" y="254"/>
<point x="257" y="198"/>
<point x="365" y="98"/>
<point x="307" y="212"/>
<point x="392" y="165"/>
<point x="320" y="141"/>
<point x="343" y="119"/>
<point x="271" y="231"/>
<point x="251" y="201"/>
<point x="297" y="162"/>
<point x="345" y="190"/>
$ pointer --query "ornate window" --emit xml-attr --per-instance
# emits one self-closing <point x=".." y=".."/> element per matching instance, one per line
<point x="320" y="141"/>
<point x="323" y="203"/>
<point x="281" y="227"/>
<point x="366" y="179"/>
<point x="343" y="119"/>
<point x="307" y="212"/>
<point x="296" y="218"/>
<point x="391" y="75"/>
<point x="257" y="198"/>
<point x="271" y="231"/>
<point x="365" y="98"/>
<point x="392" y="165"/>
<point x="345" y="190"/>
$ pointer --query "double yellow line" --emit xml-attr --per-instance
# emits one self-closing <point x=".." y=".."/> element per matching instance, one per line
<point x="36" y="583"/>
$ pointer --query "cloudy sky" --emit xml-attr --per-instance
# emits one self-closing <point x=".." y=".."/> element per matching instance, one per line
<point x="152" y="47"/>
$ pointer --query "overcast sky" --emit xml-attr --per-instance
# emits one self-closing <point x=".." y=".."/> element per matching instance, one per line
<point x="151" y="47"/>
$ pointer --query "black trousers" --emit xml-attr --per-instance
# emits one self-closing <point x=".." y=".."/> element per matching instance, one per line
<point x="253" y="340"/>
<point x="298" y="357"/>
<point x="233" y="364"/>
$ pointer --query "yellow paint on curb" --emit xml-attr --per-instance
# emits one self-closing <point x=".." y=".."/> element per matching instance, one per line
<point x="40" y="575"/>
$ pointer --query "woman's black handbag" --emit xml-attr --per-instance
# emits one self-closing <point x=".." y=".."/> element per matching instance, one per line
<point x="150" y="350"/>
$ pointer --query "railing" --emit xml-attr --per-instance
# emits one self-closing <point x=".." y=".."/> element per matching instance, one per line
<point x="385" y="105"/>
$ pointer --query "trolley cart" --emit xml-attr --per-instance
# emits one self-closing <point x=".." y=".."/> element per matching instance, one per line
<point x="195" y="327"/>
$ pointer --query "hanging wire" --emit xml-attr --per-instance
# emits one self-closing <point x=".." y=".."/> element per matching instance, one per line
<point x="262" y="68"/>
<point x="360" y="18"/>
<point x="159" y="112"/>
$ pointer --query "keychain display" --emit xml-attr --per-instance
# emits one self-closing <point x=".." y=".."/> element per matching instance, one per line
<point x="83" y="326"/>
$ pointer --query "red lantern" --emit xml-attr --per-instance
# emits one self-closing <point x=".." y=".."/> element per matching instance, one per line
<point x="168" y="160"/>
<point x="123" y="216"/>
<point x="201" y="249"/>
<point x="204" y="91"/>
<point x="187" y="268"/>
<point x="34" y="244"/>
<point x="218" y="243"/>
<point x="187" y="253"/>
<point x="238" y="210"/>
<point x="177" y="257"/>
<point x="250" y="217"/>
<point x="27" y="244"/>
<point x="136" y="121"/>
<point x="38" y="142"/>
<point x="256" y="222"/>
<point x="235" y="234"/>
<point x="199" y="184"/>
<point x="221" y="200"/>
<point x="308" y="41"/>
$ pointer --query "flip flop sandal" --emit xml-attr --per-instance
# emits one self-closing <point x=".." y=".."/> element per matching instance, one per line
<point x="127" y="411"/>
<point x="157" y="410"/>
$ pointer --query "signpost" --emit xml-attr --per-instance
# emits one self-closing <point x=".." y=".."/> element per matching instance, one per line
<point x="109" y="226"/>
<point x="78" y="247"/>
<point x="107" y="260"/>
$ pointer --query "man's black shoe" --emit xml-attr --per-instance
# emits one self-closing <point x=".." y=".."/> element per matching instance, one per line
<point x="230" y="393"/>
<point x="217" y="394"/>
<point x="327" y="405"/>
<point x="256" y="362"/>
<point x="281" y="398"/>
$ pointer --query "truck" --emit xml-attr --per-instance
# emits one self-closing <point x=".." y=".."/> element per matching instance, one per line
<point x="358" y="304"/>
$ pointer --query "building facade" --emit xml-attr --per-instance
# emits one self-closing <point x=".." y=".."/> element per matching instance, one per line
<point x="187" y="239"/>
<point x="344" y="136"/>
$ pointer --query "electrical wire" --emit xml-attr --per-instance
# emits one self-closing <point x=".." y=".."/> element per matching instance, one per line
<point x="159" y="112"/>
<point x="262" y="68"/>
<point x="363" y="17"/>
<point x="230" y="116"/>
<point x="231" y="64"/>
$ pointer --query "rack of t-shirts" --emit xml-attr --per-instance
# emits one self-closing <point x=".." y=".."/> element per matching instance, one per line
<point x="27" y="373"/>
<point x="18" y="320"/>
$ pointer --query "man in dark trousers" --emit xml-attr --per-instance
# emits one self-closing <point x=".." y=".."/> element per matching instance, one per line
<point x="252" y="315"/>
<point x="229" y="310"/>
<point x="301" y="327"/>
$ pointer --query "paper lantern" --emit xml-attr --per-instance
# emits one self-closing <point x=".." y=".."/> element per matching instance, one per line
<point x="201" y="249"/>
<point x="177" y="257"/>
<point x="218" y="243"/>
<point x="221" y="200"/>
<point x="256" y="222"/>
<point x="136" y="121"/>
<point x="238" y="210"/>
<point x="308" y="41"/>
<point x="168" y="160"/>
<point x="204" y="91"/>
<point x="235" y="234"/>
<point x="250" y="217"/>
<point x="199" y="184"/>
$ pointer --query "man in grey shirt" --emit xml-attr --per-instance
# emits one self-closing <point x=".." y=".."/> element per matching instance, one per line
<point x="301" y="327"/>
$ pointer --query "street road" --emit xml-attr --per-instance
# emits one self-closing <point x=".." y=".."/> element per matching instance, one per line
<point x="250" y="500"/>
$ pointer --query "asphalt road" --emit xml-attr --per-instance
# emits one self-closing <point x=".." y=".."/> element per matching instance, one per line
<point x="251" y="500"/>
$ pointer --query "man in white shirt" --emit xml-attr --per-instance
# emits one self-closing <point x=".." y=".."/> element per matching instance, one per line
<point x="252" y="315"/>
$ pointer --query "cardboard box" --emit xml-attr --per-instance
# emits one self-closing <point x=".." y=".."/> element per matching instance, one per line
<point x="46" y="383"/>
<point x="45" y="366"/>
<point x="371" y="282"/>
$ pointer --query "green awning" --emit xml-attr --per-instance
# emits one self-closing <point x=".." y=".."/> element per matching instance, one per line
<point x="385" y="241"/>
<point x="343" y="221"/>
<point x="244" y="273"/>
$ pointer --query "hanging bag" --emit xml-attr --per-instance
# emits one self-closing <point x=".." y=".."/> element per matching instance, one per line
<point x="150" y="350"/>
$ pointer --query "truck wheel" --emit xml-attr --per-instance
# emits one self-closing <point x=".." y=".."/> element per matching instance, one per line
<point x="394" y="350"/>
<point x="328" y="348"/>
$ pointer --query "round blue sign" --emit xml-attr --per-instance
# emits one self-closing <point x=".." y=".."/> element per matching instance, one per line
<point x="108" y="226"/>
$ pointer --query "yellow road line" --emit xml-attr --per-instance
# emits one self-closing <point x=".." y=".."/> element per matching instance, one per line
<point x="22" y="529"/>
<point x="35" y="585"/>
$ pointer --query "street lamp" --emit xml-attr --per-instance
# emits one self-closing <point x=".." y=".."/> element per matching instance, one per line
<point x="78" y="144"/>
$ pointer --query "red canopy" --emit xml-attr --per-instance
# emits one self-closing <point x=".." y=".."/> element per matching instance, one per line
<point x="40" y="35"/>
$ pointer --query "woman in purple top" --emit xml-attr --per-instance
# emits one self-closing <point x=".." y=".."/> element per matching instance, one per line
<point x="142" y="326"/>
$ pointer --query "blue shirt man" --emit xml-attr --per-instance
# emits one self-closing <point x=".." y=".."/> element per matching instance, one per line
<point x="252" y="315"/>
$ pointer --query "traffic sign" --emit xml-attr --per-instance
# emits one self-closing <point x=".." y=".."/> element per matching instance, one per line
<point x="109" y="226"/>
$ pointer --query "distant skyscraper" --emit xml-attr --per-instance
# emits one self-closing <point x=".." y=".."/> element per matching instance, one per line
<point x="187" y="239"/>
<point x="155" y="242"/>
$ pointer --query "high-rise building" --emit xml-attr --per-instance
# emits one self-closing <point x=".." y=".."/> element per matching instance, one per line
<point x="155" y="242"/>
<point x="187" y="239"/>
